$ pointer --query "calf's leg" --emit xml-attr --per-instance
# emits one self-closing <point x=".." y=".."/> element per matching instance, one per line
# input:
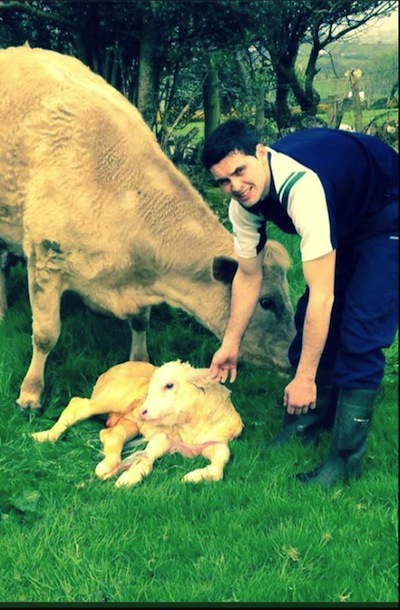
<point x="218" y="454"/>
<point x="142" y="466"/>
<point x="78" y="409"/>
<point x="113" y="440"/>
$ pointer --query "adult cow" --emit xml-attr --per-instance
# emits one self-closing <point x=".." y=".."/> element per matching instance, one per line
<point x="93" y="204"/>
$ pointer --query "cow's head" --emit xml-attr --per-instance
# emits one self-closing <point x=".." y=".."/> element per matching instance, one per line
<point x="271" y="329"/>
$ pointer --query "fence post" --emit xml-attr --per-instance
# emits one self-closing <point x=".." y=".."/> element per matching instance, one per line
<point x="334" y="111"/>
<point x="354" y="77"/>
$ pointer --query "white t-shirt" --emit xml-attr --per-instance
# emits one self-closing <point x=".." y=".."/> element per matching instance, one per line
<point x="302" y="195"/>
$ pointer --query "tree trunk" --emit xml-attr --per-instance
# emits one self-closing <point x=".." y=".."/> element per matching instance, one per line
<point x="212" y="110"/>
<point x="311" y="97"/>
<point x="260" y="115"/>
<point x="244" y="74"/>
<point x="334" y="111"/>
<point x="282" y="111"/>
<point x="146" y="94"/>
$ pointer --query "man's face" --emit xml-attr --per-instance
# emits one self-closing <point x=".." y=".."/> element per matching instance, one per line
<point x="243" y="177"/>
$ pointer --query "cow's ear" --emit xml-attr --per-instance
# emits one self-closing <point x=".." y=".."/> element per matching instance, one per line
<point x="224" y="269"/>
<point x="201" y="378"/>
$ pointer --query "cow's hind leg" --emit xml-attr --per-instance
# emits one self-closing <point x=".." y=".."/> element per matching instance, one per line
<point x="78" y="409"/>
<point x="113" y="440"/>
<point x="138" y="325"/>
<point x="218" y="454"/>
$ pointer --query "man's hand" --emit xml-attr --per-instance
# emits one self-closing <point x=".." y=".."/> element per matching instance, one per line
<point x="224" y="362"/>
<point x="300" y="395"/>
<point x="245" y="292"/>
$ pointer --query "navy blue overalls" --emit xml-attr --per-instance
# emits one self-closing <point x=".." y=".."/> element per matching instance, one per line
<point x="359" y="174"/>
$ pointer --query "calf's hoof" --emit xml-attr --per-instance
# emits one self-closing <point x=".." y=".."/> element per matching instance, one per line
<point x="106" y="470"/>
<point x="129" y="479"/>
<point x="201" y="474"/>
<point x="42" y="437"/>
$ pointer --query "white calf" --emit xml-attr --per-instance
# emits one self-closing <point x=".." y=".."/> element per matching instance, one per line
<point x="176" y="408"/>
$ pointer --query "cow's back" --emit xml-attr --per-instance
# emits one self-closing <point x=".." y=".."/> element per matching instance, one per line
<point x="78" y="163"/>
<point x="30" y="77"/>
<point x="51" y="109"/>
<point x="57" y="114"/>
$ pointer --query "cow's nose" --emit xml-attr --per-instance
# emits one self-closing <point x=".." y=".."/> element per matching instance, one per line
<point x="143" y="412"/>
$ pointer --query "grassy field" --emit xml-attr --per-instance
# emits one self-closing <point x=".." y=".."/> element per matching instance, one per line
<point x="257" y="536"/>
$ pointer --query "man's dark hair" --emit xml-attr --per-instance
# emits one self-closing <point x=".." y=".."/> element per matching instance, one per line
<point x="233" y="135"/>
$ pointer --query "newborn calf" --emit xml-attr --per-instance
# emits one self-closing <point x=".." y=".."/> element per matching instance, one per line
<point x="176" y="408"/>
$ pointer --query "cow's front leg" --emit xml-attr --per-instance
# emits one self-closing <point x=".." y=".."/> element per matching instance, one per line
<point x="218" y="454"/>
<point x="113" y="440"/>
<point x="138" y="325"/>
<point x="157" y="446"/>
<point x="44" y="296"/>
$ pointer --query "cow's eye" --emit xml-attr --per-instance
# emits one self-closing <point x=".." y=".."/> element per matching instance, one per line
<point x="169" y="386"/>
<point x="267" y="304"/>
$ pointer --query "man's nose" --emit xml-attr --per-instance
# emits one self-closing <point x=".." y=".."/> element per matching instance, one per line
<point x="236" y="184"/>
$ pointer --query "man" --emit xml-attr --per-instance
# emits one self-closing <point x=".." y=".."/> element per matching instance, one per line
<point x="338" y="191"/>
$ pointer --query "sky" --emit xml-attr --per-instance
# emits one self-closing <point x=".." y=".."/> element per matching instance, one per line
<point x="385" y="29"/>
<point x="388" y="24"/>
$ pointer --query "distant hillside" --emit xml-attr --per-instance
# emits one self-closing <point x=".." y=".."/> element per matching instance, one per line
<point x="378" y="62"/>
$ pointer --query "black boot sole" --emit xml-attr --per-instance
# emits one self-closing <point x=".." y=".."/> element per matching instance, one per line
<point x="326" y="475"/>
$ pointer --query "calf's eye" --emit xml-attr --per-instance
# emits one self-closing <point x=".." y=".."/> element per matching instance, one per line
<point x="169" y="386"/>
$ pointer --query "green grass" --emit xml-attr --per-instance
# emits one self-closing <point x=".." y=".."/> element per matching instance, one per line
<point x="257" y="536"/>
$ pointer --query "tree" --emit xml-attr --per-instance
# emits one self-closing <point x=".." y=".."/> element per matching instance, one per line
<point x="83" y="29"/>
<point x="158" y="53"/>
<point x="281" y="29"/>
<point x="129" y="43"/>
<point x="332" y="20"/>
<point x="211" y="99"/>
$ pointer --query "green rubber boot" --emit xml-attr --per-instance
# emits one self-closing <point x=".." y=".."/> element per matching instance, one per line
<point x="349" y="439"/>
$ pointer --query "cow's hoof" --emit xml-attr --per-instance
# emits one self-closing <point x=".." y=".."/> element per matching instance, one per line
<point x="29" y="403"/>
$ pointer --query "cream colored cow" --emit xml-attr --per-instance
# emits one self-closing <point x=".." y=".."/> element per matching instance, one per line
<point x="176" y="408"/>
<point x="91" y="202"/>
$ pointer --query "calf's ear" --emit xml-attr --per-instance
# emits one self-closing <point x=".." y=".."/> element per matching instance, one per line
<point x="201" y="378"/>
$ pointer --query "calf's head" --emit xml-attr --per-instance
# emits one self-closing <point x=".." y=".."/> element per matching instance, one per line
<point x="174" y="390"/>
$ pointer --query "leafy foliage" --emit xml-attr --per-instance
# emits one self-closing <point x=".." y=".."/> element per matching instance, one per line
<point x="159" y="53"/>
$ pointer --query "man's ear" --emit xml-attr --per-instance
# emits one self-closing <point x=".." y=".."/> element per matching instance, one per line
<point x="261" y="152"/>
